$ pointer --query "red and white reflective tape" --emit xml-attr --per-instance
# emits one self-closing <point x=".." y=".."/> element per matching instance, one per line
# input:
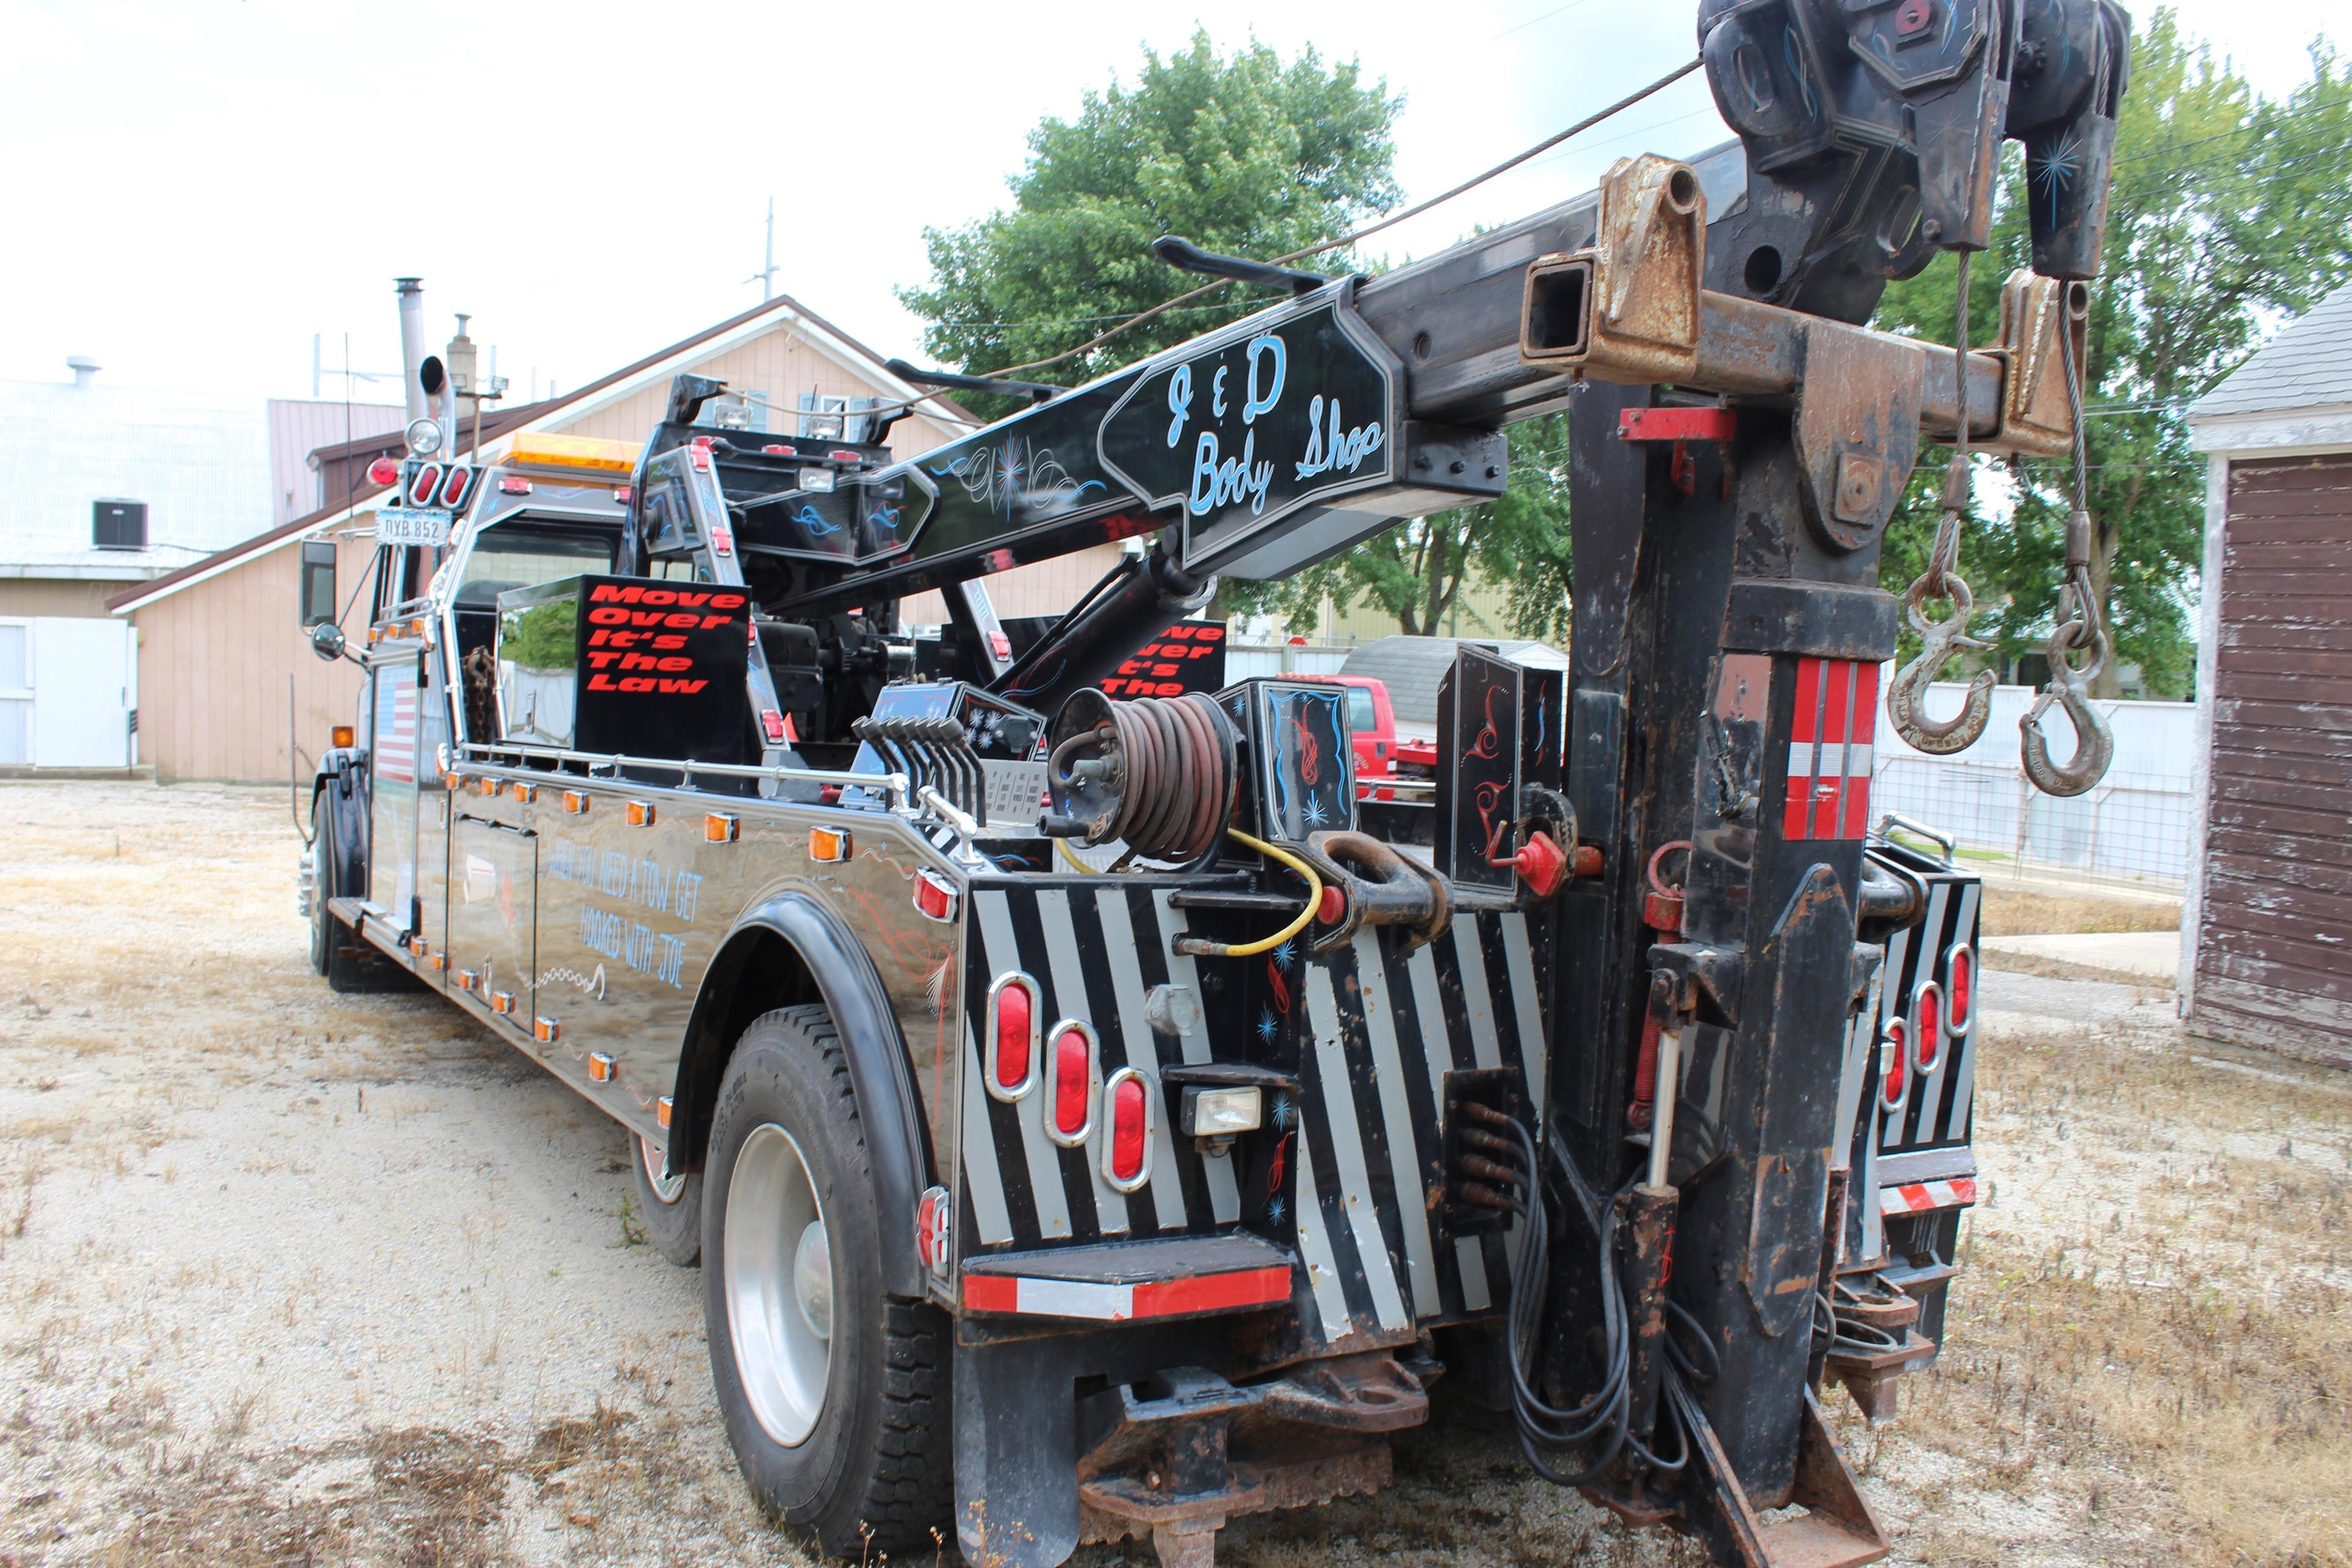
<point x="1923" y="1197"/>
<point x="1123" y="1303"/>
<point x="1828" y="749"/>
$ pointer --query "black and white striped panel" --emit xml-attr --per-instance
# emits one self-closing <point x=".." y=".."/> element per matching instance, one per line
<point x="1385" y="1028"/>
<point x="1381" y="1029"/>
<point x="1095" y="953"/>
<point x="1937" y="1104"/>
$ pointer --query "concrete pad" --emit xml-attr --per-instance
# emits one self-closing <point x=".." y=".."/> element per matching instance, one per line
<point x="2153" y="953"/>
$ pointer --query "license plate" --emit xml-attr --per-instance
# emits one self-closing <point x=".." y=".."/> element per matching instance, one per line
<point x="409" y="525"/>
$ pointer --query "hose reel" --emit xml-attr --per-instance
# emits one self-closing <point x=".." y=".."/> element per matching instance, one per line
<point x="1159" y="774"/>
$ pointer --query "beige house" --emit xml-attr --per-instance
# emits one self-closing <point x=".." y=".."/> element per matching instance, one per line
<point x="226" y="680"/>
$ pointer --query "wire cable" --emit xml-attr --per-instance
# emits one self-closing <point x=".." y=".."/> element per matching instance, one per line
<point x="1314" y="899"/>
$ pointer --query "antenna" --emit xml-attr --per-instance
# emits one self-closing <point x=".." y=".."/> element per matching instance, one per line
<point x="766" y="276"/>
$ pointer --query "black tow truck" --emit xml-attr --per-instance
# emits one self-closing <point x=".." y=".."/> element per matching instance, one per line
<point x="1096" y="1117"/>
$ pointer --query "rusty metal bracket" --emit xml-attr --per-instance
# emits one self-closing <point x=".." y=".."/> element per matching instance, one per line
<point x="2036" y="417"/>
<point x="1838" y="1528"/>
<point x="1857" y="430"/>
<point x="1627" y="310"/>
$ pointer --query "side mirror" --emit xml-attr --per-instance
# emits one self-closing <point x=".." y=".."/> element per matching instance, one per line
<point x="326" y="641"/>
<point x="317" y="591"/>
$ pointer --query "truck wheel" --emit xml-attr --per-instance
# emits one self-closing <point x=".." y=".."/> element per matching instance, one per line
<point x="673" y="1208"/>
<point x="836" y="1397"/>
<point x="334" y="946"/>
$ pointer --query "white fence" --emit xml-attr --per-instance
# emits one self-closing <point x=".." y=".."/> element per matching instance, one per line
<point x="2134" y="824"/>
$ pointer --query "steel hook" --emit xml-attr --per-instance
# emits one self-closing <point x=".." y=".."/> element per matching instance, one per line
<point x="2094" y="742"/>
<point x="1907" y="694"/>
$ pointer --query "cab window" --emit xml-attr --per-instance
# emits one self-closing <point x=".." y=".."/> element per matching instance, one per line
<point x="506" y="557"/>
<point x="1361" y="719"/>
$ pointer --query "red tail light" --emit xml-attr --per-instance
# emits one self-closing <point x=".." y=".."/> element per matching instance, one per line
<point x="513" y="485"/>
<point x="453" y="492"/>
<point x="1012" y="1036"/>
<point x="421" y="488"/>
<point x="1926" y="1026"/>
<point x="384" y="471"/>
<point x="1959" y="990"/>
<point x="935" y="896"/>
<point x="1071" y="1116"/>
<point x="1895" y="1056"/>
<point x="1127" y="1153"/>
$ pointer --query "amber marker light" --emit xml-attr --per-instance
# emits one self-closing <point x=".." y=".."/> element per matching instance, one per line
<point x="575" y="802"/>
<point x="720" y="828"/>
<point x="525" y="792"/>
<point x="466" y="979"/>
<point x="638" y="813"/>
<point x="829" y="844"/>
<point x="341" y="735"/>
<point x="600" y="1068"/>
<point x="546" y="1030"/>
<point x="661" y="1111"/>
<point x="502" y="1001"/>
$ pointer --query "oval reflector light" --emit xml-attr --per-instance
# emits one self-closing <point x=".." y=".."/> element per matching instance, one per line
<point x="422" y="487"/>
<point x="384" y="471"/>
<point x="1897" y="1056"/>
<point x="1127" y="1152"/>
<point x="1072" y="1114"/>
<point x="1959" y="990"/>
<point x="1926" y="1026"/>
<point x="453" y="491"/>
<point x="1012" y="1036"/>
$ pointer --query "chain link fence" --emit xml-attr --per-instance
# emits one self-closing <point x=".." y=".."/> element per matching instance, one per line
<point x="2134" y="827"/>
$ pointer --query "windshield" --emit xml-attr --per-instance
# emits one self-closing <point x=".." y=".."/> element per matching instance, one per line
<point x="508" y="557"/>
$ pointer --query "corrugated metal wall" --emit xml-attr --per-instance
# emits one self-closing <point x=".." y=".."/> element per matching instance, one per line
<point x="2276" y="919"/>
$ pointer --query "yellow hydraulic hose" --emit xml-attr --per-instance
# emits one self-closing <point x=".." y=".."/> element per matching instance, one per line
<point x="1314" y="899"/>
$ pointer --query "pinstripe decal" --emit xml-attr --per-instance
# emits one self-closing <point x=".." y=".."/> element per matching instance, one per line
<point x="1038" y="1156"/>
<point x="1470" y="962"/>
<point x="1341" y="1126"/>
<point x="984" y="1183"/>
<point x="1404" y="1153"/>
<point x="1070" y="1001"/>
<point x="1224" y="1189"/>
<point x="1127" y="982"/>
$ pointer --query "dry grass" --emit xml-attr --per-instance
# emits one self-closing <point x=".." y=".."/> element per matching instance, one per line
<point x="2021" y="911"/>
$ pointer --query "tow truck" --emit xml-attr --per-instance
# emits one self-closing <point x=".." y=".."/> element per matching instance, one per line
<point x="1620" y="1077"/>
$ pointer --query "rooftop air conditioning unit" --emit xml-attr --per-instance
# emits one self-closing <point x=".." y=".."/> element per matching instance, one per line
<point x="118" y="524"/>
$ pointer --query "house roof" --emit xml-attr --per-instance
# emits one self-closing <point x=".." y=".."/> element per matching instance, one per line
<point x="552" y="412"/>
<point x="300" y="426"/>
<point x="1411" y="667"/>
<point x="2307" y="366"/>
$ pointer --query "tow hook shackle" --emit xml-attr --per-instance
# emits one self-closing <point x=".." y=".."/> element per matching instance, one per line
<point x="1907" y="694"/>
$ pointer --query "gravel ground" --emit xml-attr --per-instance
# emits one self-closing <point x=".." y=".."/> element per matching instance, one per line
<point x="292" y="1278"/>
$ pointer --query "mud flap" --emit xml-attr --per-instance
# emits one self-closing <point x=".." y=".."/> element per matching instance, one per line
<point x="1016" y="1454"/>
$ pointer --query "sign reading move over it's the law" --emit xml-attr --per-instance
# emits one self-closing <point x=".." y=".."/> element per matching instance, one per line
<point x="632" y="666"/>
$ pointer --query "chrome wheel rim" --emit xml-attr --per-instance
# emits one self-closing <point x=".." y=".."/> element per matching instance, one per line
<point x="779" y="1272"/>
<point x="666" y="1189"/>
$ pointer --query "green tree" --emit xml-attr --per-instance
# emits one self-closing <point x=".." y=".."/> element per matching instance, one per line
<point x="1417" y="570"/>
<point x="2228" y="213"/>
<point x="1239" y="153"/>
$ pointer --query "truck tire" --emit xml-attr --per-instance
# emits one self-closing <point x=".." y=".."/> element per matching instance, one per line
<point x="334" y="946"/>
<point x="672" y="1209"/>
<point x="834" y="1395"/>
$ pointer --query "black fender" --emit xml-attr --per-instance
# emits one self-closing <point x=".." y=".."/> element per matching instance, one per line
<point x="338" y="819"/>
<point x="845" y="978"/>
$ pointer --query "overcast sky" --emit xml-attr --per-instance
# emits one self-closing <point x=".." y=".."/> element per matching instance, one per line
<point x="196" y="187"/>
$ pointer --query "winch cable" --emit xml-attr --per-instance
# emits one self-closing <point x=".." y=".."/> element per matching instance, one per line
<point x="1602" y="1415"/>
<point x="1505" y="167"/>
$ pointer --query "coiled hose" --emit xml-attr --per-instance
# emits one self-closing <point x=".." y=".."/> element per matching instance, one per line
<point x="1157" y="772"/>
<point x="1596" y="1427"/>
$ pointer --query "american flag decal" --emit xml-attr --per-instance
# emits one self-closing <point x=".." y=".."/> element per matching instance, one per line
<point x="1828" y="749"/>
<point x="396" y="747"/>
